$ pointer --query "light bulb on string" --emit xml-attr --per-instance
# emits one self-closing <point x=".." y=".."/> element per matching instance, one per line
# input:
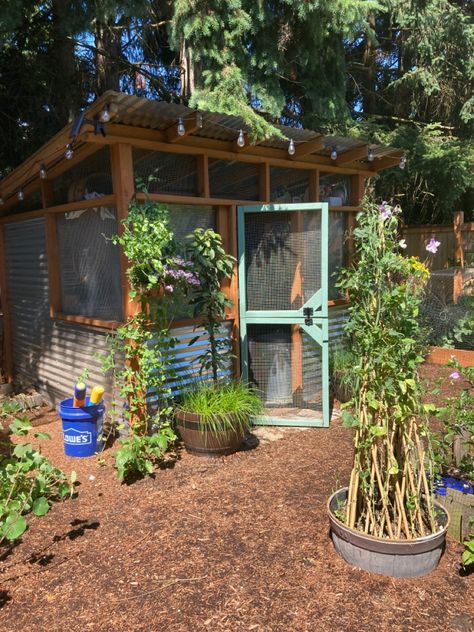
<point x="241" y="139"/>
<point x="105" y="114"/>
<point x="68" y="154"/>
<point x="403" y="162"/>
<point x="181" y="129"/>
<point x="370" y="155"/>
<point x="291" y="147"/>
<point x="20" y="195"/>
<point x="334" y="154"/>
<point x="42" y="173"/>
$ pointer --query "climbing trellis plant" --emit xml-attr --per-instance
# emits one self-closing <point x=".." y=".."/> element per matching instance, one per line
<point x="141" y="351"/>
<point x="390" y="491"/>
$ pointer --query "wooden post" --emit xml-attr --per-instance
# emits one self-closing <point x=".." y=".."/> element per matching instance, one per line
<point x="7" y="331"/>
<point x="203" y="176"/>
<point x="227" y="228"/>
<point x="313" y="193"/>
<point x="124" y="190"/>
<point x="458" y="221"/>
<point x="264" y="183"/>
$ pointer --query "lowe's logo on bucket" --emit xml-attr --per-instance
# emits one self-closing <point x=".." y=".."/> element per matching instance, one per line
<point x="78" y="437"/>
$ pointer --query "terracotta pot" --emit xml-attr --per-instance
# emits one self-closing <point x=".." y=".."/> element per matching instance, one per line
<point x="206" y="442"/>
<point x="395" y="558"/>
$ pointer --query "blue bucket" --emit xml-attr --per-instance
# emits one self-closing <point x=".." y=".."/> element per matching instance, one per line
<point x="80" y="427"/>
<point x="451" y="482"/>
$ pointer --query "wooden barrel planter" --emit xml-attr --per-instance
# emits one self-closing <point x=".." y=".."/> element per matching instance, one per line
<point x="201" y="440"/>
<point x="395" y="558"/>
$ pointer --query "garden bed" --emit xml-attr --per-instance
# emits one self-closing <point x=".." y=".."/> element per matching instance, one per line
<point x="239" y="543"/>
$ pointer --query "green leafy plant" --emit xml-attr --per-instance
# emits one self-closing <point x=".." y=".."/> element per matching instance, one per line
<point x="141" y="351"/>
<point x="212" y="265"/>
<point x="343" y="378"/>
<point x="28" y="480"/>
<point x="389" y="492"/>
<point x="468" y="553"/>
<point x="228" y="406"/>
<point x="457" y="416"/>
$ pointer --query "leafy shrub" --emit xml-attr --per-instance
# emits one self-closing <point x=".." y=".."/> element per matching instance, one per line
<point x="28" y="480"/>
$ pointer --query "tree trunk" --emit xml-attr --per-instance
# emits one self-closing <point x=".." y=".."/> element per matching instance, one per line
<point x="65" y="76"/>
<point x="108" y="57"/>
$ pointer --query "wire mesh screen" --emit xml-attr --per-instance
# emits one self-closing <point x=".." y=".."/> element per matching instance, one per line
<point x="89" y="264"/>
<point x="337" y="251"/>
<point x="335" y="189"/>
<point x="165" y="172"/>
<point x="283" y="259"/>
<point x="233" y="179"/>
<point x="285" y="366"/>
<point x="449" y="321"/>
<point x="289" y="185"/>
<point x="88" y="179"/>
<point x="32" y="202"/>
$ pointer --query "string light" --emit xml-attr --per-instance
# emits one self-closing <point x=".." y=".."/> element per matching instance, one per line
<point x="42" y="172"/>
<point x="291" y="148"/>
<point x="181" y="129"/>
<point x="241" y="139"/>
<point x="370" y="155"/>
<point x="20" y="195"/>
<point x="334" y="154"/>
<point x="105" y="114"/>
<point x="68" y="154"/>
<point x="403" y="162"/>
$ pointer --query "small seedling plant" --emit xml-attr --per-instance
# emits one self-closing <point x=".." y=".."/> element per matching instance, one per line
<point x="141" y="356"/>
<point x="389" y="492"/>
<point x="29" y="482"/>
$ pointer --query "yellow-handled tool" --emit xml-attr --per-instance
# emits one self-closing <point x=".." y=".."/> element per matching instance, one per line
<point x="96" y="395"/>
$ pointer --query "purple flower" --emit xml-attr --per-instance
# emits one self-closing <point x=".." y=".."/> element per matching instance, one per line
<point x="169" y="288"/>
<point x="455" y="375"/>
<point x="433" y="245"/>
<point x="385" y="211"/>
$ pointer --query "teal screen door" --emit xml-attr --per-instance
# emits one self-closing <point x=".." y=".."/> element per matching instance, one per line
<point x="283" y="304"/>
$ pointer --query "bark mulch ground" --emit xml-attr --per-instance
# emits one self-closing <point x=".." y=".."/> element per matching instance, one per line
<point x="240" y="543"/>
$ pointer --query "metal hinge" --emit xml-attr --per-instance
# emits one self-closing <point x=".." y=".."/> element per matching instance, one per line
<point x="308" y="313"/>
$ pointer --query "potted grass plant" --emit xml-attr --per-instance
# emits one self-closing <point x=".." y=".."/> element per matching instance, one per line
<point x="214" y="415"/>
<point x="387" y="519"/>
<point x="343" y="378"/>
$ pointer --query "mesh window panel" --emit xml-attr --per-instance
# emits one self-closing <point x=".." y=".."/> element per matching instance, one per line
<point x="89" y="264"/>
<point x="232" y="179"/>
<point x="283" y="262"/>
<point x="335" y="189"/>
<point x="289" y="185"/>
<point x="165" y="172"/>
<point x="337" y="251"/>
<point x="285" y="366"/>
<point x="32" y="202"/>
<point x="90" y="178"/>
<point x="183" y="220"/>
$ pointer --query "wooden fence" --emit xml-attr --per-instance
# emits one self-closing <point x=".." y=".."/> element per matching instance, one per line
<point x="457" y="243"/>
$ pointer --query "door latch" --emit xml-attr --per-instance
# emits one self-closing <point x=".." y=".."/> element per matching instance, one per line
<point x="308" y="313"/>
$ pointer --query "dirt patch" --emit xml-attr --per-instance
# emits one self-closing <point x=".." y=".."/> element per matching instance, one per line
<point x="239" y="543"/>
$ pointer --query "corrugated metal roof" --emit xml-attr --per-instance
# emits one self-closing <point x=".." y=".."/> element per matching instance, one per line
<point x="161" y="115"/>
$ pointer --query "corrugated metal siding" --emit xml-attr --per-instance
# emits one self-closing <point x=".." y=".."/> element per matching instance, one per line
<point x="338" y="314"/>
<point x="46" y="354"/>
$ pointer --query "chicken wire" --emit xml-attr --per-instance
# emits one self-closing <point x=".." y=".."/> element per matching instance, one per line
<point x="283" y="259"/>
<point x="233" y="179"/>
<point x="289" y="185"/>
<point x="285" y="366"/>
<point x="89" y="264"/>
<point x="165" y="172"/>
<point x="92" y="177"/>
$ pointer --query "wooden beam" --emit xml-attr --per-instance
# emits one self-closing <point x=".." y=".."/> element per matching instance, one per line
<point x="385" y="163"/>
<point x="52" y="254"/>
<point x="193" y="145"/>
<point x="124" y="190"/>
<point x="7" y="330"/>
<point x="357" y="190"/>
<point x="353" y="154"/>
<point x="47" y="193"/>
<point x="191" y="125"/>
<point x="308" y="147"/>
<point x="105" y="200"/>
<point x="313" y="193"/>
